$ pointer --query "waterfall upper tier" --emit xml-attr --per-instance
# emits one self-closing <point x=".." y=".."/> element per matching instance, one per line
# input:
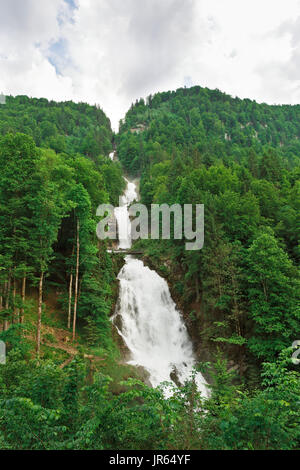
<point x="149" y="322"/>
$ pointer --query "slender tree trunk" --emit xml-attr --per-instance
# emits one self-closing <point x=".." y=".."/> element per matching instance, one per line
<point x="1" y="305"/>
<point x="236" y="310"/>
<point x="39" y="323"/>
<point x="70" y="291"/>
<point x="6" y="322"/>
<point x="76" y="282"/>
<point x="23" y="299"/>
<point x="70" y="300"/>
<point x="265" y="290"/>
<point x="197" y="288"/>
<point x="4" y="290"/>
<point x="14" y="315"/>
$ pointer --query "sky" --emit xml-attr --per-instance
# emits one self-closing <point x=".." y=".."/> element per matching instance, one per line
<point x="112" y="52"/>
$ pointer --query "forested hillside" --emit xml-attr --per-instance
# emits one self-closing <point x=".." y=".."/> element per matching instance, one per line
<point x="64" y="127"/>
<point x="48" y="206"/>
<point x="242" y="161"/>
<point x="212" y="123"/>
<point x="64" y="384"/>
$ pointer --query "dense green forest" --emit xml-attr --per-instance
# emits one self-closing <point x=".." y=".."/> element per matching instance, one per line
<point x="242" y="161"/>
<point x="63" y="127"/>
<point x="63" y="385"/>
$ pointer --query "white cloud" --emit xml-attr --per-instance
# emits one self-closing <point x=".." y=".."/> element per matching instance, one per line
<point x="27" y="30"/>
<point x="111" y="52"/>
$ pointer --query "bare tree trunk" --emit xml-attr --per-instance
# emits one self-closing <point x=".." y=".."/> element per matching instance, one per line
<point x="4" y="290"/>
<point x="23" y="299"/>
<point x="265" y="289"/>
<point x="197" y="288"/>
<point x="14" y="301"/>
<point x="1" y="305"/>
<point x="39" y="323"/>
<point x="6" y="322"/>
<point x="76" y="282"/>
<point x="70" y="300"/>
<point x="70" y="291"/>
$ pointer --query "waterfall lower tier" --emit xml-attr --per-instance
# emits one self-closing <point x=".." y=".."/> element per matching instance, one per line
<point x="152" y="327"/>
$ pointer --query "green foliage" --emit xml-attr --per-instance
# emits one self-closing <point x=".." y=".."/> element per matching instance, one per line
<point x="241" y="160"/>
<point x="63" y="127"/>
<point x="273" y="293"/>
<point x="43" y="194"/>
<point x="44" y="407"/>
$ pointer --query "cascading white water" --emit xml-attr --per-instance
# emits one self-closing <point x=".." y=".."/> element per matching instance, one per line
<point x="122" y="216"/>
<point x="147" y="317"/>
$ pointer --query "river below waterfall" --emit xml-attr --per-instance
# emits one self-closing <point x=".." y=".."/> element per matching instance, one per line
<point x="147" y="318"/>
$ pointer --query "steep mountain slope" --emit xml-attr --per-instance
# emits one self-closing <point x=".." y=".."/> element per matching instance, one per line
<point x="56" y="393"/>
<point x="214" y="124"/>
<point x="242" y="161"/>
<point x="55" y="171"/>
<point x="64" y="127"/>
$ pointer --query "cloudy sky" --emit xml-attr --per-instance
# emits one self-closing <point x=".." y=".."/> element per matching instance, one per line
<point x="111" y="52"/>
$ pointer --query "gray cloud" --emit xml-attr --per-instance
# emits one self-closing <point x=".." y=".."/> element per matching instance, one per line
<point x="292" y="67"/>
<point x="287" y="72"/>
<point x="111" y="52"/>
<point x="24" y="23"/>
<point x="161" y="34"/>
<point x="145" y="40"/>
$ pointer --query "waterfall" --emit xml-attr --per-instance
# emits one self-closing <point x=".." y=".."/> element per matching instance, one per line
<point x="147" y="318"/>
<point x="122" y="215"/>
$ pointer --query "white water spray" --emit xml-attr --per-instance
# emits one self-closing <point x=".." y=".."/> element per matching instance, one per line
<point x="148" y="320"/>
